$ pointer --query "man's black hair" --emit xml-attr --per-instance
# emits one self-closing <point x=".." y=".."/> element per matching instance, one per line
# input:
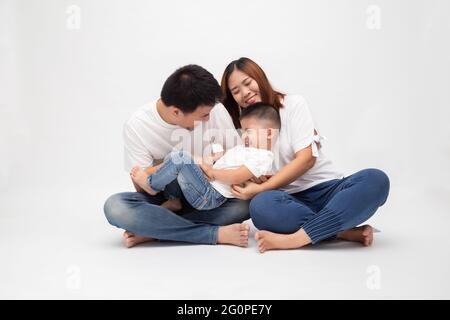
<point x="189" y="87"/>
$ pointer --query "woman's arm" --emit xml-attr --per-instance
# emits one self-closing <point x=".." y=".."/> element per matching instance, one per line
<point x="302" y="162"/>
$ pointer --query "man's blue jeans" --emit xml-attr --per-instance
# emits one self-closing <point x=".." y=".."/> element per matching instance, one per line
<point x="142" y="214"/>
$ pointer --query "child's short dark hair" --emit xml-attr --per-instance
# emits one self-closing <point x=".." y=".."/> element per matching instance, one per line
<point x="262" y="111"/>
<point x="190" y="87"/>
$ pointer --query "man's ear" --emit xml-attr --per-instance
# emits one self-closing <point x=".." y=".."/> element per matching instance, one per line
<point x="175" y="111"/>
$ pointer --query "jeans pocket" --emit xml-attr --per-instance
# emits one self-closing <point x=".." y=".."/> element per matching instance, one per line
<point x="195" y="197"/>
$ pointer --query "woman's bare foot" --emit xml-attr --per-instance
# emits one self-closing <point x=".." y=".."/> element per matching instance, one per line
<point x="130" y="239"/>
<point x="139" y="177"/>
<point x="269" y="240"/>
<point x="363" y="234"/>
<point x="235" y="234"/>
<point x="173" y="205"/>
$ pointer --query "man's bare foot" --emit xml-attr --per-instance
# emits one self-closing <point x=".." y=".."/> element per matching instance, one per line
<point x="173" y="205"/>
<point x="139" y="177"/>
<point x="130" y="239"/>
<point x="235" y="234"/>
<point x="269" y="240"/>
<point x="363" y="234"/>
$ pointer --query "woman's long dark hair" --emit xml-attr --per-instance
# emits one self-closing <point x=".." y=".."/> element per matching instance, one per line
<point x="253" y="70"/>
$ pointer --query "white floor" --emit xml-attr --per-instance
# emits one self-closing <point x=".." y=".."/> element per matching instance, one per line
<point x="57" y="244"/>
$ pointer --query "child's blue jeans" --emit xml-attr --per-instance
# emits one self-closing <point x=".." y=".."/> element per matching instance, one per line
<point x="179" y="165"/>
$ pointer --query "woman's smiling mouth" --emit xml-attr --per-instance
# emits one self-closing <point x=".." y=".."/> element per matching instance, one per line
<point x="251" y="100"/>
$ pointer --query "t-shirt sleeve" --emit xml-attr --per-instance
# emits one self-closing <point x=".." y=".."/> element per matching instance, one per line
<point x="135" y="152"/>
<point x="301" y="125"/>
<point x="259" y="162"/>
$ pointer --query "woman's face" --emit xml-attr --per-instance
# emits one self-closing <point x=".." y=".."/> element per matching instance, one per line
<point x="244" y="89"/>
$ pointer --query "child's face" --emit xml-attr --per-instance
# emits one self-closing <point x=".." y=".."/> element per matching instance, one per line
<point x="257" y="133"/>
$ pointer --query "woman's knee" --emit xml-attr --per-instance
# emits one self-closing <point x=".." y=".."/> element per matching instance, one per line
<point x="379" y="181"/>
<point x="262" y="207"/>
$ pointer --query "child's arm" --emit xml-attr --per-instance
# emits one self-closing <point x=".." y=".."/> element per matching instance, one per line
<point x="217" y="152"/>
<point x="210" y="159"/>
<point x="229" y="176"/>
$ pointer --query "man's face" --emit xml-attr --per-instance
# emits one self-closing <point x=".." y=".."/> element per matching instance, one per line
<point x="189" y="120"/>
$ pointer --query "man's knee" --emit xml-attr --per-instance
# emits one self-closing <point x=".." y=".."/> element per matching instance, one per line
<point x="115" y="209"/>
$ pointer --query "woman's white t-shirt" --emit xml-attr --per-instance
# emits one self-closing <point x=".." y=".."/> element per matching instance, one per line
<point x="297" y="133"/>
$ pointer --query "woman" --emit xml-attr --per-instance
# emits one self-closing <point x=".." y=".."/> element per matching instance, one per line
<point x="307" y="200"/>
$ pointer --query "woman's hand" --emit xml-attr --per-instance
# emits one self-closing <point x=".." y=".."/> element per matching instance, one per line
<point x="247" y="191"/>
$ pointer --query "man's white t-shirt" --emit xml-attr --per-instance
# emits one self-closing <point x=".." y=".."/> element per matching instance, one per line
<point x="258" y="162"/>
<point x="297" y="133"/>
<point x="148" y="139"/>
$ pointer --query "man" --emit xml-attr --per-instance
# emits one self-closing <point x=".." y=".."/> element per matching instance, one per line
<point x="188" y="109"/>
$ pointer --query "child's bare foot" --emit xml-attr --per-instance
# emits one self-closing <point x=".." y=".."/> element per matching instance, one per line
<point x="235" y="234"/>
<point x="363" y="234"/>
<point x="130" y="239"/>
<point x="139" y="177"/>
<point x="269" y="240"/>
<point x="173" y="205"/>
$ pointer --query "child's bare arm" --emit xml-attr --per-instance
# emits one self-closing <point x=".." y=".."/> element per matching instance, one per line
<point x="210" y="159"/>
<point x="232" y="176"/>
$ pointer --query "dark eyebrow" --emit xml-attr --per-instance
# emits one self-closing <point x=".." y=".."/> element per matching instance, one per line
<point x="241" y="82"/>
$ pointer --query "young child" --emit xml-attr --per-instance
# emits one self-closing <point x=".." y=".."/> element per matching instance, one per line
<point x="207" y="187"/>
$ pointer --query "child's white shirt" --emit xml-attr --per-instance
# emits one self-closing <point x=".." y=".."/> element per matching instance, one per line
<point x="257" y="161"/>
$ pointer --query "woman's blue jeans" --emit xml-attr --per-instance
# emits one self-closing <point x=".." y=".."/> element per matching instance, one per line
<point x="323" y="210"/>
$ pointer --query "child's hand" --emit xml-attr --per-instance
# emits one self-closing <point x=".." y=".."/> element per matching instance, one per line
<point x="198" y="160"/>
<point x="211" y="159"/>
<point x="217" y="155"/>
<point x="208" y="171"/>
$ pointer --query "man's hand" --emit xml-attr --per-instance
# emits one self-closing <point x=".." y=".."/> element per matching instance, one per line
<point x="247" y="191"/>
<point x="208" y="171"/>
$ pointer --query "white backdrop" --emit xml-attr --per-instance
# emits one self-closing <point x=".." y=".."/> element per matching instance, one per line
<point x="381" y="96"/>
<point x="376" y="75"/>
